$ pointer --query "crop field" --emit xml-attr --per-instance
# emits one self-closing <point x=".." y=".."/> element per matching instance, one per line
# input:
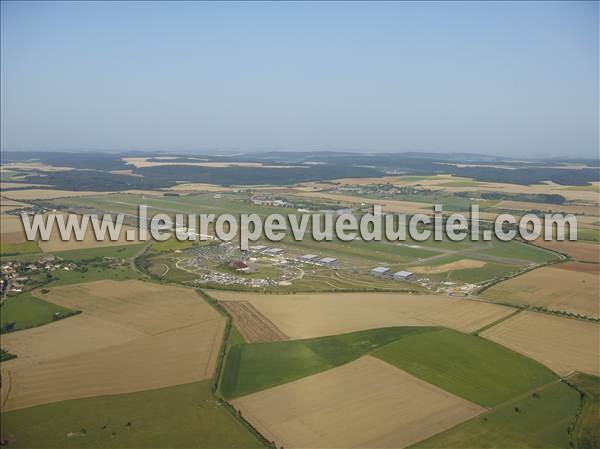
<point x="388" y="408"/>
<point x="571" y="289"/>
<point x="56" y="244"/>
<point x="252" y="325"/>
<point x="318" y="314"/>
<point x="122" y="328"/>
<point x="26" y="311"/>
<point x="254" y="367"/>
<point x="564" y="345"/>
<point x="581" y="251"/>
<point x="538" y="420"/>
<point x="469" y="366"/>
<point x="181" y="416"/>
<point x="44" y="194"/>
<point x="462" y="264"/>
<point x="11" y="229"/>
<point x="87" y="254"/>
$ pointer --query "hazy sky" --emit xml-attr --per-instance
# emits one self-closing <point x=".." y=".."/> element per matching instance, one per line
<point x="502" y="78"/>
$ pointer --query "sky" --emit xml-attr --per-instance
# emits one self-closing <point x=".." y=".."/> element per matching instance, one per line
<point x="512" y="78"/>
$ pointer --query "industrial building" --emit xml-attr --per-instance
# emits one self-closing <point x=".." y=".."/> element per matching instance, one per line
<point x="329" y="261"/>
<point x="379" y="271"/>
<point x="403" y="275"/>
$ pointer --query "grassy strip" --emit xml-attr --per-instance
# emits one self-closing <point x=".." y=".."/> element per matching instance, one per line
<point x="586" y="432"/>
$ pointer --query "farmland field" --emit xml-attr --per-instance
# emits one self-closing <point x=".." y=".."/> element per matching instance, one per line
<point x="319" y="314"/>
<point x="122" y="328"/>
<point x="469" y="366"/>
<point x="254" y="367"/>
<point x="181" y="416"/>
<point x="553" y="288"/>
<point x="581" y="251"/>
<point x="562" y="344"/>
<point x="26" y="311"/>
<point x="387" y="408"/>
<point x="540" y="420"/>
<point x="587" y="431"/>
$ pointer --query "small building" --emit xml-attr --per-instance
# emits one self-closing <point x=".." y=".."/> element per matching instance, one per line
<point x="309" y="257"/>
<point x="403" y="275"/>
<point x="258" y="248"/>
<point x="274" y="251"/>
<point x="379" y="271"/>
<point x="328" y="261"/>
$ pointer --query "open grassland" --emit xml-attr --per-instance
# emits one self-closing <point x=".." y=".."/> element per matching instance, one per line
<point x="11" y="249"/>
<point x="87" y="254"/>
<point x="515" y="250"/>
<point x="540" y="419"/>
<point x="562" y="344"/>
<point x="26" y="311"/>
<point x="365" y="403"/>
<point x="254" y="367"/>
<point x="181" y="416"/>
<point x="552" y="288"/>
<point x="468" y="366"/>
<point x="319" y="314"/>
<point x="586" y="434"/>
<point x="131" y="336"/>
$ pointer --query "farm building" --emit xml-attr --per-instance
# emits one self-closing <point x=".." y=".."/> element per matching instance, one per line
<point x="379" y="271"/>
<point x="309" y="257"/>
<point x="403" y="275"/>
<point x="328" y="261"/>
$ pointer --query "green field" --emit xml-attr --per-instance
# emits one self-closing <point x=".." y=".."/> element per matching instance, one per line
<point x="117" y="252"/>
<point x="10" y="249"/>
<point x="586" y="434"/>
<point x="488" y="272"/>
<point x="466" y="365"/>
<point x="184" y="416"/>
<point x="254" y="367"/>
<point x="92" y="272"/>
<point x="27" y="311"/>
<point x="519" y="251"/>
<point x="531" y="421"/>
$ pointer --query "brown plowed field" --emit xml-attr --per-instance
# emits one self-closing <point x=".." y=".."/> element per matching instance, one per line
<point x="585" y="252"/>
<point x="363" y="404"/>
<point x="253" y="325"/>
<point x="131" y="336"/>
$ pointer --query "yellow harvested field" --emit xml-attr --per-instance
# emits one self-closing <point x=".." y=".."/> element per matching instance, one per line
<point x="11" y="229"/>
<point x="593" y="210"/>
<point x="45" y="194"/>
<point x="364" y="404"/>
<point x="318" y="314"/>
<point x="562" y="344"/>
<point x="37" y="166"/>
<point x="18" y="185"/>
<point x="552" y="288"/>
<point x="55" y="243"/>
<point x="463" y="264"/>
<point x="585" y="252"/>
<point x="131" y="336"/>
<point x="199" y="187"/>
<point x="141" y="162"/>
